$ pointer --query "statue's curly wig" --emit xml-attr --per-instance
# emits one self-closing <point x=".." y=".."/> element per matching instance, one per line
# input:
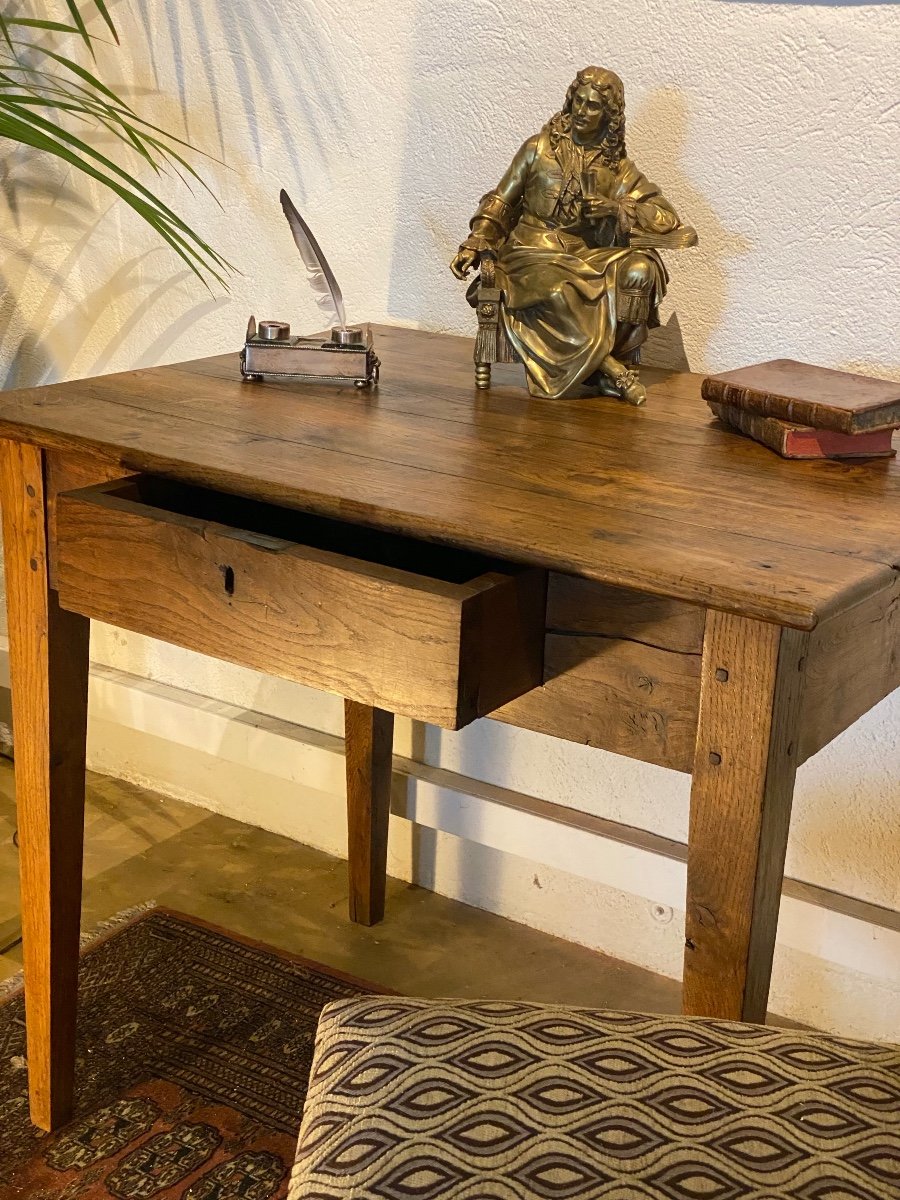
<point x="611" y="88"/>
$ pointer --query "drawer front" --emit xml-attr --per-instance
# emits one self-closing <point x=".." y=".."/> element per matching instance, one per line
<point x="443" y="650"/>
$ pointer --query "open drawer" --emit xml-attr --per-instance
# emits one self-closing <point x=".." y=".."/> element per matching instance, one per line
<point x="413" y="627"/>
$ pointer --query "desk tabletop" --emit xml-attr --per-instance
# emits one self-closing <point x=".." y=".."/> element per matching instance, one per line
<point x="660" y="499"/>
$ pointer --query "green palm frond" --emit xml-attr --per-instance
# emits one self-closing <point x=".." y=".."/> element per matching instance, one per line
<point x="44" y="92"/>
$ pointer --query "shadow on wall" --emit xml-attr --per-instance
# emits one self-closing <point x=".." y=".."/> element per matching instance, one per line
<point x="456" y="105"/>
<point x="425" y="747"/>
<point x="32" y="203"/>
<point x="40" y="343"/>
<point x="260" y="61"/>
<point x="55" y="318"/>
<point x="468" y="853"/>
<point x="699" y="275"/>
<point x="462" y="131"/>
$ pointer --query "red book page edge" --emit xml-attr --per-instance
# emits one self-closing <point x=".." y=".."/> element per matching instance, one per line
<point x="824" y="443"/>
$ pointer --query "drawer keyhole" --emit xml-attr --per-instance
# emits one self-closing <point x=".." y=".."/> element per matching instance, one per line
<point x="228" y="575"/>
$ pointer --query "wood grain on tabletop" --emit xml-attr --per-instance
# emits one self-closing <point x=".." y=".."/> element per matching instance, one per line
<point x="659" y="499"/>
<point x="642" y="484"/>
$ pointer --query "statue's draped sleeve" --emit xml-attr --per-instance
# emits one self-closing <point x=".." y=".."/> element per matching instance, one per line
<point x="656" y="218"/>
<point x="499" y="209"/>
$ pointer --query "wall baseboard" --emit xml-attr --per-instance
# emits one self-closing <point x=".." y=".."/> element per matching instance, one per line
<point x="614" y="887"/>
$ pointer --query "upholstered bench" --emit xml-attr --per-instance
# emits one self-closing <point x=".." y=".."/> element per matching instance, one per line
<point x="420" y="1100"/>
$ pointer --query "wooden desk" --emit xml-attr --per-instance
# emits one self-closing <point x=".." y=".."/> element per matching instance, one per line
<point x="710" y="607"/>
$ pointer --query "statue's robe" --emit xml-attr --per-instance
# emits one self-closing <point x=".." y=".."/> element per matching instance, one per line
<point x="563" y="309"/>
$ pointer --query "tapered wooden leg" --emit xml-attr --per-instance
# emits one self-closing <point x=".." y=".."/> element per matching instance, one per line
<point x="48" y="658"/>
<point x="744" y="768"/>
<point x="369" y="736"/>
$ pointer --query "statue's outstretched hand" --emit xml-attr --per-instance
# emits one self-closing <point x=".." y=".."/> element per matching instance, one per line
<point x="465" y="261"/>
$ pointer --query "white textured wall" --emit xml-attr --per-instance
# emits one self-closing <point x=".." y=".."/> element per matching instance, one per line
<point x="773" y="127"/>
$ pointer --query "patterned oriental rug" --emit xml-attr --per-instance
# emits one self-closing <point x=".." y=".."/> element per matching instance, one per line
<point x="194" y="1048"/>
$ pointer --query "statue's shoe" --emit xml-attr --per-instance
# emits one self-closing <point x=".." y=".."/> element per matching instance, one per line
<point x="630" y="388"/>
<point x="626" y="386"/>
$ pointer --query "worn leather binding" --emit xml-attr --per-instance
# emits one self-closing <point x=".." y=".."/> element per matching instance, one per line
<point x="791" y="440"/>
<point x="809" y="395"/>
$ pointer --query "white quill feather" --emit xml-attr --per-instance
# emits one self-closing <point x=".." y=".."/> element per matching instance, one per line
<point x="321" y="276"/>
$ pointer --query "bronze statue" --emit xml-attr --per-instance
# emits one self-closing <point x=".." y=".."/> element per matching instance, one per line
<point x="574" y="228"/>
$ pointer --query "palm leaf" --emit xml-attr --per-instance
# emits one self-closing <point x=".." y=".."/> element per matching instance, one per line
<point x="36" y="23"/>
<point x="31" y="96"/>
<point x="101" y="8"/>
<point x="79" y="95"/>
<point x="78" y="22"/>
<point x="127" y="126"/>
<point x="84" y="148"/>
<point x="198" y="256"/>
<point x="30" y="120"/>
<point x="114" y="125"/>
<point x="78" y="70"/>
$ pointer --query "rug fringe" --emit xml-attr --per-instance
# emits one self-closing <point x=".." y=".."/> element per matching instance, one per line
<point x="100" y="930"/>
<point x="86" y="940"/>
<point x="11" y="984"/>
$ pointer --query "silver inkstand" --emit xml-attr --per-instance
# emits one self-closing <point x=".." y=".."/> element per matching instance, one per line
<point x="346" y="357"/>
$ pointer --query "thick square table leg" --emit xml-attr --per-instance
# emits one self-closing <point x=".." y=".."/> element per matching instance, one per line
<point x="369" y="734"/>
<point x="48" y="658"/>
<point x="743" y="783"/>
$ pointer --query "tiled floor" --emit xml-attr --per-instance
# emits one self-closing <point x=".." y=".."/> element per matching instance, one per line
<point x="140" y="846"/>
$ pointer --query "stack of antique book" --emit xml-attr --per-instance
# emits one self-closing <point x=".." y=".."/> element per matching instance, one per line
<point x="802" y="411"/>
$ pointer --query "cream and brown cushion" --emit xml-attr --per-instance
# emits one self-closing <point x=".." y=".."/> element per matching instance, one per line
<point x="462" y="1100"/>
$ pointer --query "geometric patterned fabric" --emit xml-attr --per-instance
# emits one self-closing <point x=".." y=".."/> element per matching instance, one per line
<point x="462" y="1100"/>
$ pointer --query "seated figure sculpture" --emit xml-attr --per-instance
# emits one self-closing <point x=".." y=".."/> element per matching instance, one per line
<point x="575" y="229"/>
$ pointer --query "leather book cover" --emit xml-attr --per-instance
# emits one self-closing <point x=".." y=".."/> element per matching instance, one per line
<point x="802" y="441"/>
<point x="808" y="395"/>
